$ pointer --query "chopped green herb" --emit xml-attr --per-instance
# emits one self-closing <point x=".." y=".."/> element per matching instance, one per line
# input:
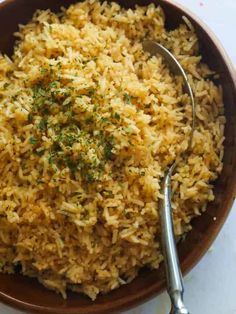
<point x="130" y="143"/>
<point x="91" y="92"/>
<point x="89" y="176"/>
<point x="43" y="124"/>
<point x="95" y="108"/>
<point x="71" y="164"/>
<point x="59" y="65"/>
<point x="43" y="71"/>
<point x="38" y="91"/>
<point x="54" y="84"/>
<point x="66" y="139"/>
<point x="32" y="140"/>
<point x="108" y="150"/>
<point x="142" y="173"/>
<point x="127" y="98"/>
<point x="6" y="85"/>
<point x="30" y="117"/>
<point x="51" y="158"/>
<point x="103" y="119"/>
<point x="116" y="116"/>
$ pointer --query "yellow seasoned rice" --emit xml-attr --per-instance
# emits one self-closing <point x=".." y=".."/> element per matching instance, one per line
<point x="89" y="122"/>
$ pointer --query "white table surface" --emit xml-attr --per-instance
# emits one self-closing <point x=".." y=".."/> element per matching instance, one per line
<point x="211" y="285"/>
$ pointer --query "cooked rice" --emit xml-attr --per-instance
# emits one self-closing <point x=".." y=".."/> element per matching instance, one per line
<point x="89" y="123"/>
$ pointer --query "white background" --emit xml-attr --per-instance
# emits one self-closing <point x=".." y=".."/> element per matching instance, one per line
<point x="210" y="288"/>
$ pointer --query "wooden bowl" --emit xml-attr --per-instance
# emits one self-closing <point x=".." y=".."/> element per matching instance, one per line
<point x="27" y="294"/>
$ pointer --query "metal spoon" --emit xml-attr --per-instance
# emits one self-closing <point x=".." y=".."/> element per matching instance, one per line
<point x="175" y="286"/>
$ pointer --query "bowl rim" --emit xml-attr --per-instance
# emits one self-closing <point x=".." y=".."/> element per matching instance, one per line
<point x="186" y="265"/>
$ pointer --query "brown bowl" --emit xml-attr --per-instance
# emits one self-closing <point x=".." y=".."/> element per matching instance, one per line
<point x="27" y="294"/>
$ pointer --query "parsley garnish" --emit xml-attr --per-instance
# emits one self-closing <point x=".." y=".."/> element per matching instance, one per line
<point x="91" y="92"/>
<point x="30" y="117"/>
<point x="32" y="140"/>
<point x="6" y="85"/>
<point x="116" y="116"/>
<point x="127" y="98"/>
<point x="43" y="71"/>
<point x="43" y="124"/>
<point x="54" y="84"/>
<point x="108" y="150"/>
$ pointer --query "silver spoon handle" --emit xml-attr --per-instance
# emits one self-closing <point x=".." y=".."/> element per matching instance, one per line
<point x="173" y="273"/>
<point x="178" y="306"/>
